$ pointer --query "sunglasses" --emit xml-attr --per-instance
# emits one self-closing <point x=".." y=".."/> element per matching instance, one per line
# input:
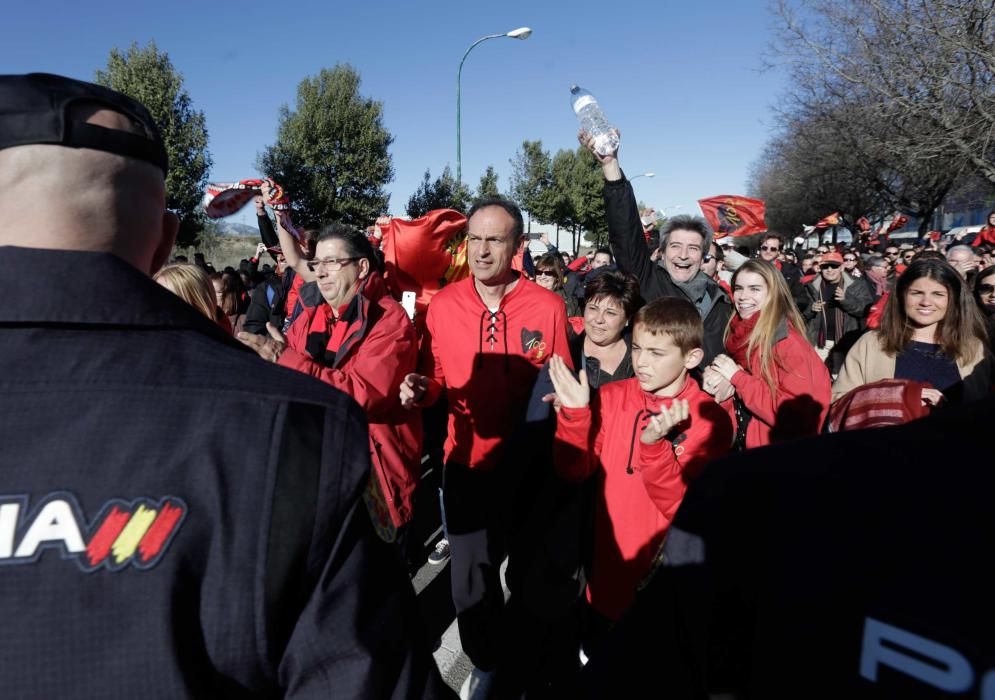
<point x="849" y="259"/>
<point x="891" y="252"/>
<point x="829" y="266"/>
<point x="769" y="249"/>
<point x="545" y="273"/>
<point x="986" y="288"/>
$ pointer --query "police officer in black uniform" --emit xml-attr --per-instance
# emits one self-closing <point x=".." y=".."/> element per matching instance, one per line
<point x="178" y="518"/>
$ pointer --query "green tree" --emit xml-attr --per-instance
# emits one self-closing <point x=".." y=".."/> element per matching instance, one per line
<point x="147" y="75"/>
<point x="443" y="193"/>
<point x="331" y="152"/>
<point x="587" y="195"/>
<point x="488" y="184"/>
<point x="531" y="178"/>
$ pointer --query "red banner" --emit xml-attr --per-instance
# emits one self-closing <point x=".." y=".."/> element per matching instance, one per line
<point x="732" y="215"/>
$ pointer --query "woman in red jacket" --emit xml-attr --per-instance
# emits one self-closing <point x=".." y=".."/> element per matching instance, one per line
<point x="770" y="378"/>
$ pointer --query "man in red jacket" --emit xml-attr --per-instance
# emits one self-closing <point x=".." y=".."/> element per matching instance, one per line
<point x="349" y="333"/>
<point x="487" y="336"/>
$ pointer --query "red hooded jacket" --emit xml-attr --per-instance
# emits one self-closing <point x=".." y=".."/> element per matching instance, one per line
<point x="379" y="349"/>
<point x="641" y="485"/>
<point x="488" y="362"/>
<point x="803" y="390"/>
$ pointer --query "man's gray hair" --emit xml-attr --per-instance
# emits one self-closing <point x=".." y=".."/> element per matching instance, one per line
<point x="686" y="222"/>
<point x="961" y="248"/>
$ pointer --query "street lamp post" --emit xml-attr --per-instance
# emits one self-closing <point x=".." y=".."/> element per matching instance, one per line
<point x="520" y="33"/>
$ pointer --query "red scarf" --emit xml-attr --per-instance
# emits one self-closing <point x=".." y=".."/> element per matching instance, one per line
<point x="739" y="338"/>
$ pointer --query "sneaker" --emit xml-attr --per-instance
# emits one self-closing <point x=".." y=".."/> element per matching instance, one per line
<point x="440" y="554"/>
<point x="477" y="685"/>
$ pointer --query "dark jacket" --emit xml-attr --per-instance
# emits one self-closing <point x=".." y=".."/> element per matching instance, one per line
<point x="267" y="304"/>
<point x="190" y="516"/>
<point x="798" y="571"/>
<point x="625" y="234"/>
<point x="855" y="304"/>
<point x="793" y="276"/>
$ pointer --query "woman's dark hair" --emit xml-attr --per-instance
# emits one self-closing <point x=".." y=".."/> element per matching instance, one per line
<point x="552" y="261"/>
<point x="622" y="287"/>
<point x="356" y="243"/>
<point x="960" y="333"/>
<point x="233" y="292"/>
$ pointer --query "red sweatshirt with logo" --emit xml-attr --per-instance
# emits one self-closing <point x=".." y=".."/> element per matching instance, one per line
<point x="641" y="486"/>
<point x="487" y="361"/>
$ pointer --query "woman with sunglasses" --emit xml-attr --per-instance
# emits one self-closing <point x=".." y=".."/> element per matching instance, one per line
<point x="549" y="275"/>
<point x="931" y="331"/>
<point x="838" y="306"/>
<point x="984" y="295"/>
<point x="778" y="386"/>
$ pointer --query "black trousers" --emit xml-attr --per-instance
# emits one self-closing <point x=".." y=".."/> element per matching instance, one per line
<point x="476" y="523"/>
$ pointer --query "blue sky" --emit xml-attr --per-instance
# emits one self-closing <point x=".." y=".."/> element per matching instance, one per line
<point x="683" y="81"/>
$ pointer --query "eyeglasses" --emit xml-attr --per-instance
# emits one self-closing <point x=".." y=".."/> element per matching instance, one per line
<point x="545" y="273"/>
<point x="986" y="289"/>
<point x="769" y="248"/>
<point x="330" y="264"/>
<point x="829" y="266"/>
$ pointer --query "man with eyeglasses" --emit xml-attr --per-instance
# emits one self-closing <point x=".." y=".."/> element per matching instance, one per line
<point x="348" y="332"/>
<point x="771" y="247"/>
<point x="838" y="305"/>
<point x="850" y="265"/>
<point x="684" y="241"/>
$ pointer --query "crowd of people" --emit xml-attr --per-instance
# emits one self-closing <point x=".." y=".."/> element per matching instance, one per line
<point x="585" y="399"/>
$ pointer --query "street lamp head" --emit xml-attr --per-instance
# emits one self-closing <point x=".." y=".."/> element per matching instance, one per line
<point x="520" y="33"/>
<point x="650" y="174"/>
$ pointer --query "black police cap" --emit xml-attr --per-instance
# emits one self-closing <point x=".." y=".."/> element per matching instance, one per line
<point x="34" y="109"/>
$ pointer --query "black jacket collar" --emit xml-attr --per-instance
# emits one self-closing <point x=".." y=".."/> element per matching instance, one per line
<point x="89" y="289"/>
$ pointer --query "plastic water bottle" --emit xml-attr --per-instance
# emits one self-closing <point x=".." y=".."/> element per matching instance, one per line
<point x="592" y="120"/>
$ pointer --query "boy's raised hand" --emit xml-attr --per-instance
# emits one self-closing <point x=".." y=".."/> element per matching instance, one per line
<point x="569" y="391"/>
<point x="666" y="420"/>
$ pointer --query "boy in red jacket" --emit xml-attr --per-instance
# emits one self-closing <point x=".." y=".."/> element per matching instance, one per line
<point x="642" y="438"/>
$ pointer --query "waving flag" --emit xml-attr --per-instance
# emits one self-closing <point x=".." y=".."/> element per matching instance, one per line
<point x="419" y="255"/>
<point x="831" y="220"/>
<point x="732" y="215"/>
<point x="898" y="222"/>
<point x="226" y="198"/>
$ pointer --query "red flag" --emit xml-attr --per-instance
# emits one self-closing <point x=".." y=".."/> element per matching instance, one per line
<point x="898" y="222"/>
<point x="831" y="220"/>
<point x="732" y="215"/>
<point x="418" y="256"/>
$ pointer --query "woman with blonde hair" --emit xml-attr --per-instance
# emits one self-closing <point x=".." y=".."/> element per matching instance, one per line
<point x="192" y="285"/>
<point x="770" y="378"/>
